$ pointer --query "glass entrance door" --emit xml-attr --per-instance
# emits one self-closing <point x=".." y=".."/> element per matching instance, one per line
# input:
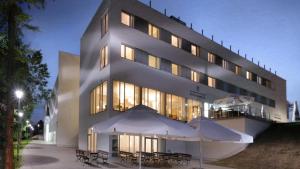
<point x="151" y="145"/>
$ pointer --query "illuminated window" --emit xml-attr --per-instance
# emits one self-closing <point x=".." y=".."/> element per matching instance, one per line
<point x="194" y="109"/>
<point x="211" y="58"/>
<point x="104" y="25"/>
<point x="92" y="140"/>
<point x="130" y="143"/>
<point x="127" y="52"/>
<point x="104" y="57"/>
<point x="248" y="75"/>
<point x="98" y="98"/>
<point x="175" y="41"/>
<point x="175" y="69"/>
<point x="153" y="61"/>
<point x="127" y="19"/>
<point x="259" y="80"/>
<point x="211" y="82"/>
<point x="175" y="107"/>
<point x="225" y="64"/>
<point x="125" y="96"/>
<point x="195" y="76"/>
<point x="154" y="99"/>
<point x="195" y="50"/>
<point x="238" y="70"/>
<point x="153" y="31"/>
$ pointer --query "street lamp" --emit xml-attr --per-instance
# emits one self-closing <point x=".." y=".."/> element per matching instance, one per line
<point x="19" y="94"/>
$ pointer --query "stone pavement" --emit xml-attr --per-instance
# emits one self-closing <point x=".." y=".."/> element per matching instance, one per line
<point x="38" y="155"/>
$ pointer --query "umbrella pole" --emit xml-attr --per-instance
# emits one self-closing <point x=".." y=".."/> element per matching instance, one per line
<point x="140" y="156"/>
<point x="200" y="155"/>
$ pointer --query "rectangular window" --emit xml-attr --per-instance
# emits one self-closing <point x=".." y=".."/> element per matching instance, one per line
<point x="195" y="50"/>
<point x="175" y="69"/>
<point x="154" y="99"/>
<point x="98" y="99"/>
<point x="194" y="109"/>
<point x="154" y="62"/>
<point x="125" y="96"/>
<point x="259" y="80"/>
<point x="211" y="82"/>
<point x="175" y="107"/>
<point x="225" y="64"/>
<point x="195" y="76"/>
<point x="92" y="140"/>
<point x="211" y="58"/>
<point x="248" y="75"/>
<point x="153" y="31"/>
<point x="127" y="52"/>
<point x="238" y="70"/>
<point x="176" y="41"/>
<point x="127" y="19"/>
<point x="104" y="57"/>
<point x="104" y="24"/>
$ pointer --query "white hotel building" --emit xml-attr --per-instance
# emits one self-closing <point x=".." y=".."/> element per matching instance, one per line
<point x="132" y="54"/>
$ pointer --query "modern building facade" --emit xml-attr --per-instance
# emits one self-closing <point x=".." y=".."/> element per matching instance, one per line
<point x="62" y="109"/>
<point x="132" y="54"/>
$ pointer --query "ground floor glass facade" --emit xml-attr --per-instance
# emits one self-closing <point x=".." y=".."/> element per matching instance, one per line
<point x="126" y="95"/>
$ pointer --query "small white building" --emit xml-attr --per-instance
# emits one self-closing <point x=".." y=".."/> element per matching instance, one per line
<point x="62" y="109"/>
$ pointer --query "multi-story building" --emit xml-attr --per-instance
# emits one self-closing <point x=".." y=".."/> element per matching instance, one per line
<point x="62" y="109"/>
<point x="132" y="54"/>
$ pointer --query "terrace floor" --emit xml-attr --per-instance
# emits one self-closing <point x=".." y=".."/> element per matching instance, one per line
<point x="38" y="155"/>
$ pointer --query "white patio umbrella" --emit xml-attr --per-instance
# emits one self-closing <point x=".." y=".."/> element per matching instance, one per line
<point x="142" y="120"/>
<point x="211" y="131"/>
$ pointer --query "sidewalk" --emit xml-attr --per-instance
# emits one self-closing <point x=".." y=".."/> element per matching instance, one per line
<point x="38" y="155"/>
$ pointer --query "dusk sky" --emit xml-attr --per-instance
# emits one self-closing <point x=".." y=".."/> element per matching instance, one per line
<point x="267" y="30"/>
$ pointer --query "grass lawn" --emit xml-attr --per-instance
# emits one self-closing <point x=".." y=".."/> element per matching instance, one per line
<point x="17" y="164"/>
<point x="276" y="148"/>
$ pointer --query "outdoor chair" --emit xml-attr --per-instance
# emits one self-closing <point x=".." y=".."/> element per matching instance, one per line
<point x="103" y="155"/>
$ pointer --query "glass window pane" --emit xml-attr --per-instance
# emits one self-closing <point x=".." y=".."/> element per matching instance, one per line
<point x="116" y="95"/>
<point x="122" y="96"/>
<point x="129" y="96"/>
<point x="124" y="143"/>
<point x="174" y="41"/>
<point x="122" y="51"/>
<point x="125" y="18"/>
<point x="104" y="102"/>
<point x="174" y="69"/>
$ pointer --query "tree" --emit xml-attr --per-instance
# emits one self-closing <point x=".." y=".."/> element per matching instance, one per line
<point x="19" y="66"/>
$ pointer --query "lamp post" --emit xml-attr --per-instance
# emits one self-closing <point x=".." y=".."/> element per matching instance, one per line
<point x="27" y="125"/>
<point x="19" y="94"/>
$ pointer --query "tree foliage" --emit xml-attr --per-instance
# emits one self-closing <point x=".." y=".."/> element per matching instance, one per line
<point x="20" y="67"/>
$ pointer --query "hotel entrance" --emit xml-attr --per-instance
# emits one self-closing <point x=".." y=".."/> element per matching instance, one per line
<point x="130" y="144"/>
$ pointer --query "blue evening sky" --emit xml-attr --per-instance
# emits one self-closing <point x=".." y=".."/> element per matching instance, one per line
<point x="267" y="30"/>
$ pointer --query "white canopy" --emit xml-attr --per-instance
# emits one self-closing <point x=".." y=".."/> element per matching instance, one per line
<point x="233" y="101"/>
<point x="211" y="131"/>
<point x="142" y="120"/>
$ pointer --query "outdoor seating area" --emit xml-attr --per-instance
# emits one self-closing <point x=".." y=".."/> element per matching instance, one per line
<point x="87" y="157"/>
<point x="156" y="159"/>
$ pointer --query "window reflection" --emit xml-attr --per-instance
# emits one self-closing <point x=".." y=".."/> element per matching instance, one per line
<point x="127" y="52"/>
<point x="103" y="57"/>
<point x="125" y="96"/>
<point x="98" y="99"/>
<point x="154" y="99"/>
<point x="92" y="140"/>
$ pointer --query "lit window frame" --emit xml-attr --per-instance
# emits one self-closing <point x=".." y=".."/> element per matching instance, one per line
<point x="156" y="62"/>
<point x="211" y="82"/>
<point x="104" y="57"/>
<point x="151" y="31"/>
<point x="175" y="69"/>
<point x="104" y="24"/>
<point x="124" y="53"/>
<point x="195" y="50"/>
<point x="211" y="58"/>
<point x="130" y="21"/>
<point x="176" y="41"/>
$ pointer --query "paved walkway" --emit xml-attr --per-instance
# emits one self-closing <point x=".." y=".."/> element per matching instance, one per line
<point x="38" y="155"/>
